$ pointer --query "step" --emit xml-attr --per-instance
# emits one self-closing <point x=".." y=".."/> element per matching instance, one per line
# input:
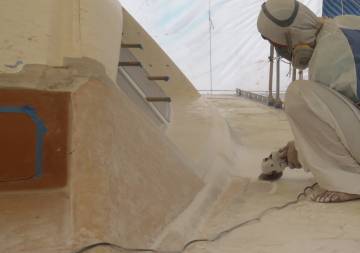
<point x="130" y="64"/>
<point x="137" y="46"/>
<point x="159" y="78"/>
<point x="159" y="99"/>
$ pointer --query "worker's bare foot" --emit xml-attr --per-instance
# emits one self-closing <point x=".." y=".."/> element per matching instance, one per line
<point x="332" y="197"/>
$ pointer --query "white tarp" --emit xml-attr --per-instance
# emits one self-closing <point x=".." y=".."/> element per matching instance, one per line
<point x="239" y="55"/>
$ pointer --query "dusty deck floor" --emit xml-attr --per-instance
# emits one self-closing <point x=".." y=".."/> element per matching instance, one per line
<point x="305" y="227"/>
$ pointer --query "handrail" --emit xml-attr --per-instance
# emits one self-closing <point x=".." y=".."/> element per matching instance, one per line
<point x="251" y="95"/>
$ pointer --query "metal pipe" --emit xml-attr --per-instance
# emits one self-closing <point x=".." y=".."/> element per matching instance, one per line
<point x="301" y="75"/>
<point x="277" y="76"/>
<point x="278" y="102"/>
<point x="271" y="76"/>
<point x="294" y="74"/>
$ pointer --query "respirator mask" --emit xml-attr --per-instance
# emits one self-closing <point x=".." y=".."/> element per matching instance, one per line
<point x="282" y="51"/>
<point x="299" y="55"/>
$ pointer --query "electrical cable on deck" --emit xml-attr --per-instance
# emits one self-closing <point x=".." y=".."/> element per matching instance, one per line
<point x="205" y="240"/>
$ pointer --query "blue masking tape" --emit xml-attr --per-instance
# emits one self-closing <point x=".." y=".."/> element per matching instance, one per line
<point x="40" y="132"/>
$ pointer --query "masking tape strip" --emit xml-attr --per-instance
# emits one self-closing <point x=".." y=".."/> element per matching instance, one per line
<point x="40" y="132"/>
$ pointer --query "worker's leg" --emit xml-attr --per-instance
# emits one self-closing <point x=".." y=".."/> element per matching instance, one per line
<point x="326" y="128"/>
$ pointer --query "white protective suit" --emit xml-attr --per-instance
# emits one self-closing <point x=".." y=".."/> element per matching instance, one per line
<point x="322" y="112"/>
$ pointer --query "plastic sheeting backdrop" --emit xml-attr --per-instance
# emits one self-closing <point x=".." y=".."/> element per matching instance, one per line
<point x="239" y="54"/>
<point x="333" y="8"/>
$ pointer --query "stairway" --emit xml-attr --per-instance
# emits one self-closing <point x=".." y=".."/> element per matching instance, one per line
<point x="141" y="87"/>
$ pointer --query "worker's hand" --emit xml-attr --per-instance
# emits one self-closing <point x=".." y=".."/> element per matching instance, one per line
<point x="289" y="153"/>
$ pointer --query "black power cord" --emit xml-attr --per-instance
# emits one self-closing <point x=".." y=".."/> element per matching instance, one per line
<point x="206" y="240"/>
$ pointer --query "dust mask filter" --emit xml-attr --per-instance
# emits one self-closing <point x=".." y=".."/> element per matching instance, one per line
<point x="301" y="56"/>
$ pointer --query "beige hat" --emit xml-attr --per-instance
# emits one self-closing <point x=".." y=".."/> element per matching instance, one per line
<point x="278" y="17"/>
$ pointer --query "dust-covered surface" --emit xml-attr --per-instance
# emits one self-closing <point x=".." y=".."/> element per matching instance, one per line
<point x="126" y="182"/>
<point x="304" y="227"/>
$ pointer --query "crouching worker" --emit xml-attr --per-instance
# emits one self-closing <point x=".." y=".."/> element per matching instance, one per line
<point x="322" y="111"/>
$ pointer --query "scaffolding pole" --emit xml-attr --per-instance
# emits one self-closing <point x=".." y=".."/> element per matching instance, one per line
<point x="278" y="102"/>
<point x="271" y="100"/>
